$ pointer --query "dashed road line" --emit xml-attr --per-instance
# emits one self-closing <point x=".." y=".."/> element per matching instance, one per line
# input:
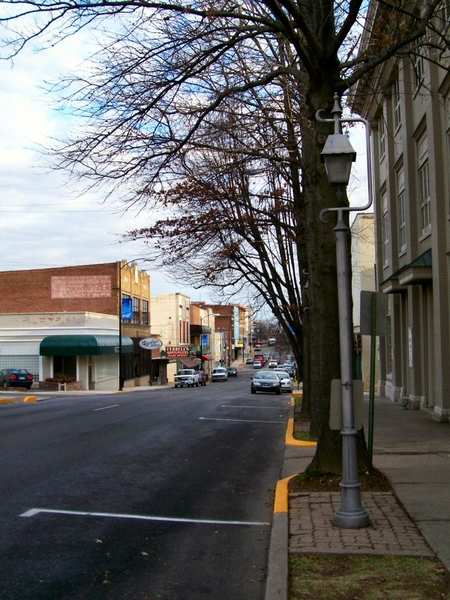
<point x="240" y="420"/>
<point x="35" y="511"/>
<point x="258" y="407"/>
<point x="106" y="407"/>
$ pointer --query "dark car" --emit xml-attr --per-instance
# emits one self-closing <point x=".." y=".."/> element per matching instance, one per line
<point x="201" y="378"/>
<point x="16" y="377"/>
<point x="232" y="372"/>
<point x="266" y="381"/>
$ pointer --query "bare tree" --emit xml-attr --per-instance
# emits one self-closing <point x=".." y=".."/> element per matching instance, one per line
<point x="169" y="66"/>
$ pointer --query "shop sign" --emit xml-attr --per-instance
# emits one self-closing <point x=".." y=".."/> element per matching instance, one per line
<point x="150" y="344"/>
<point x="177" y="351"/>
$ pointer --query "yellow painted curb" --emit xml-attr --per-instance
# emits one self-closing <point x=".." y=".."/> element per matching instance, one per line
<point x="30" y="399"/>
<point x="282" y="496"/>
<point x="6" y="401"/>
<point x="290" y="439"/>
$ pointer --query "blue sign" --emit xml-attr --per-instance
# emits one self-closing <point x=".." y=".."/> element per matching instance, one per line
<point x="127" y="309"/>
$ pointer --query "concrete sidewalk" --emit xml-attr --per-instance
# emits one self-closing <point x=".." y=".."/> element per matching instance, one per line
<point x="413" y="451"/>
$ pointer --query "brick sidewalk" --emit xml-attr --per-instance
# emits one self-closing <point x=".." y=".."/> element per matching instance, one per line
<point x="391" y="531"/>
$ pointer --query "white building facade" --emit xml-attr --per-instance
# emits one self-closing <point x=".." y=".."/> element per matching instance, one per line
<point x="407" y="100"/>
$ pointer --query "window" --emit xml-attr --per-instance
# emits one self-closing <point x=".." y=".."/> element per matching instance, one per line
<point x="401" y="200"/>
<point x="389" y="361"/>
<point x="383" y="136"/>
<point x="424" y="185"/>
<point x="418" y="63"/>
<point x="145" y="312"/>
<point x="397" y="104"/>
<point x="385" y="229"/>
<point x="136" y="311"/>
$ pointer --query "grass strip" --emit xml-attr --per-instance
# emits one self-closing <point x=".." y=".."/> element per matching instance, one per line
<point x="367" y="577"/>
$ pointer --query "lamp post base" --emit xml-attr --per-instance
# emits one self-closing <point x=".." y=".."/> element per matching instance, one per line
<point x="353" y="520"/>
<point x="356" y="518"/>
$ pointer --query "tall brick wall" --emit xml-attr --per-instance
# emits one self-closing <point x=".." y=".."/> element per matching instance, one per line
<point x="89" y="288"/>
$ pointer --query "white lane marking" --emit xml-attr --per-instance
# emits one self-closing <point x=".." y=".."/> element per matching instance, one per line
<point x="106" y="407"/>
<point x="258" y="407"/>
<point x="35" y="511"/>
<point x="240" y="420"/>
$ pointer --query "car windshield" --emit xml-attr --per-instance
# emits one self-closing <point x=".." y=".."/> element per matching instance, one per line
<point x="220" y="370"/>
<point x="266" y="375"/>
<point x="283" y="374"/>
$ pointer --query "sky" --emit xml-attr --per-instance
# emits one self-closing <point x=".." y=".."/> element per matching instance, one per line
<point x="46" y="222"/>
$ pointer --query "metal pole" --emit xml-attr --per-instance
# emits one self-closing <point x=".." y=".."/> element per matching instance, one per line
<point x="350" y="515"/>
<point x="373" y="339"/>
<point x="120" y="330"/>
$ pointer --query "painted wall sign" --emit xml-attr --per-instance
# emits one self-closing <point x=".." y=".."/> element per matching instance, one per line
<point x="150" y="343"/>
<point x="82" y="286"/>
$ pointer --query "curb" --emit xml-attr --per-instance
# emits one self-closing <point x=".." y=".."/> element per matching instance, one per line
<point x="278" y="572"/>
<point x="289" y="439"/>
<point x="278" y="563"/>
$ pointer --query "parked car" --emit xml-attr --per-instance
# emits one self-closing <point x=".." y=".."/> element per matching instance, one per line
<point x="232" y="372"/>
<point x="287" y="384"/>
<point x="16" y="377"/>
<point x="201" y="378"/>
<point x="249" y="360"/>
<point x="289" y="367"/>
<point x="186" y="377"/>
<point x="219" y="374"/>
<point x="257" y="364"/>
<point x="266" y="381"/>
<point x="273" y="364"/>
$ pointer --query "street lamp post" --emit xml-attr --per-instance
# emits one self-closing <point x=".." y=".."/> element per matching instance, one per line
<point x="338" y="155"/>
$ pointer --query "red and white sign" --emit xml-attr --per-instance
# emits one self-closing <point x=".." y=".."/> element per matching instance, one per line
<point x="177" y="351"/>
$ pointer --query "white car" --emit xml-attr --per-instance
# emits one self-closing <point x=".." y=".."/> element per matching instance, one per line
<point x="219" y="374"/>
<point x="287" y="384"/>
<point x="273" y="364"/>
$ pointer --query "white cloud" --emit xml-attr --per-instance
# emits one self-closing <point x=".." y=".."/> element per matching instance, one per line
<point x="44" y="222"/>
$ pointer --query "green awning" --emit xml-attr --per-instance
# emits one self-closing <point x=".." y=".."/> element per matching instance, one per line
<point x="84" y="345"/>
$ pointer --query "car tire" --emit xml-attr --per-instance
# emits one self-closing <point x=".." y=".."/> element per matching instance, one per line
<point x="278" y="392"/>
<point x="253" y="391"/>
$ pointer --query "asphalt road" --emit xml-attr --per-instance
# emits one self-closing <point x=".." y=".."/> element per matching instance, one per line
<point x="162" y="494"/>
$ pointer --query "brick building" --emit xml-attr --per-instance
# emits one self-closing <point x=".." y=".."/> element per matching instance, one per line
<point x="66" y="320"/>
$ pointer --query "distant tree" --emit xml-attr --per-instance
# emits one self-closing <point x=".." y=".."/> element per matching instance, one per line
<point x="223" y="235"/>
<point x="167" y="67"/>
